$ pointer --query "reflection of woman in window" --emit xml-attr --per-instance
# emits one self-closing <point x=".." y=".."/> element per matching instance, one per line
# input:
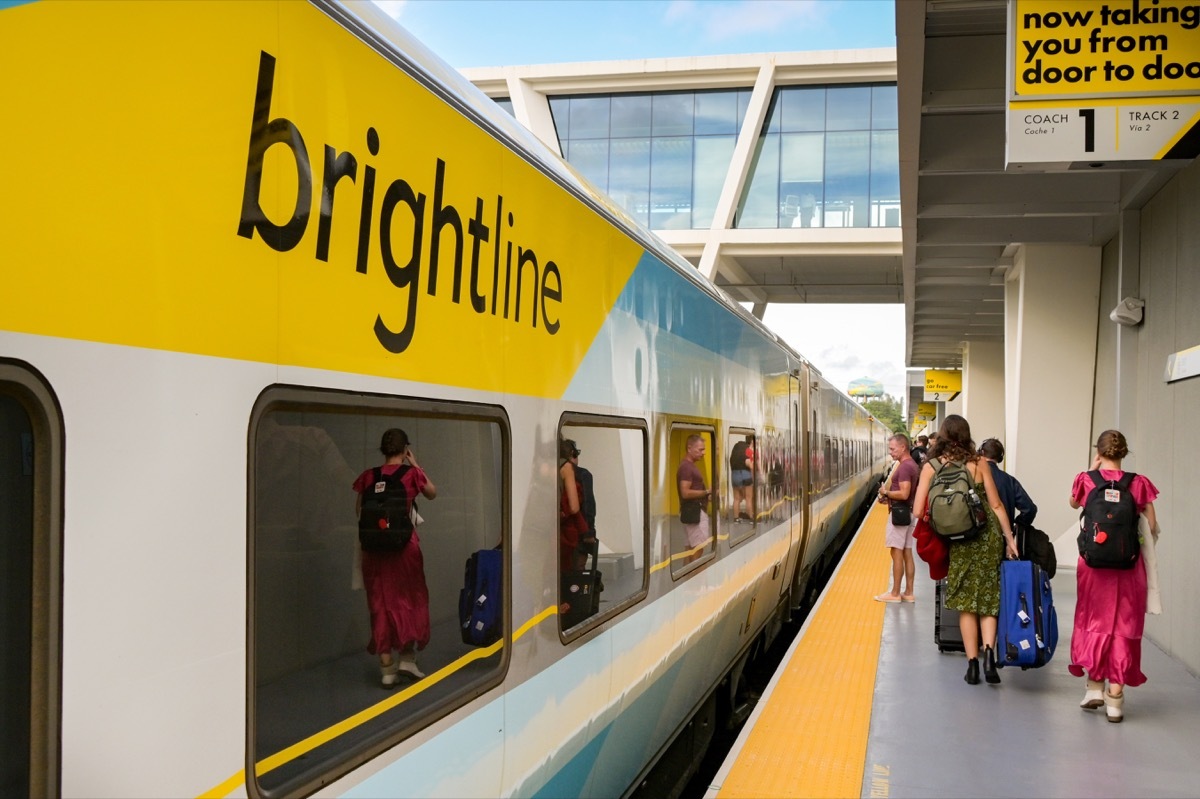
<point x="572" y="526"/>
<point x="397" y="596"/>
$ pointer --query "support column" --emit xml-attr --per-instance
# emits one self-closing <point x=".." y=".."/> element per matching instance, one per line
<point x="983" y="390"/>
<point x="1049" y="395"/>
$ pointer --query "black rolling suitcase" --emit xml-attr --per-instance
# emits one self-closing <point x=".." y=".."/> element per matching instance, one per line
<point x="946" y="632"/>
<point x="581" y="590"/>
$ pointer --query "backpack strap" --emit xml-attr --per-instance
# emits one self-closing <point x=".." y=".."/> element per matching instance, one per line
<point x="1098" y="480"/>
<point x="1126" y="481"/>
<point x="377" y="473"/>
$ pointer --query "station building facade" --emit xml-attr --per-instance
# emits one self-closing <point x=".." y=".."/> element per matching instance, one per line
<point x="776" y="175"/>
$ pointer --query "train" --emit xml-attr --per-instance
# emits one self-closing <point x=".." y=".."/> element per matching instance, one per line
<point x="241" y="240"/>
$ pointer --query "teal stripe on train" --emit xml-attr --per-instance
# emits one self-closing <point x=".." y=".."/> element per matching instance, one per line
<point x="662" y="323"/>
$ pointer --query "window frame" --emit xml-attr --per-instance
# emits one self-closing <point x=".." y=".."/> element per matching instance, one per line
<point x="714" y="455"/>
<point x="736" y="533"/>
<point x="287" y="397"/>
<point x="572" y="419"/>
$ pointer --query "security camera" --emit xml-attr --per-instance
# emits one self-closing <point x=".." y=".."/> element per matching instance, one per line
<point x="1128" y="312"/>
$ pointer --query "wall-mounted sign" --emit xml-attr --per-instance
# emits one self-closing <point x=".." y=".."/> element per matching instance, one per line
<point x="1094" y="81"/>
<point x="942" y="385"/>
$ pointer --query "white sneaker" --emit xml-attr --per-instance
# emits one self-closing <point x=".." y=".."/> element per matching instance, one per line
<point x="409" y="666"/>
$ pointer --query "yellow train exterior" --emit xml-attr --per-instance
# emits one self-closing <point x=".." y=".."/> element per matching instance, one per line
<point x="240" y="241"/>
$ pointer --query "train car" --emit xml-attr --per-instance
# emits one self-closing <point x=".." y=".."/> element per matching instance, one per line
<point x="240" y="242"/>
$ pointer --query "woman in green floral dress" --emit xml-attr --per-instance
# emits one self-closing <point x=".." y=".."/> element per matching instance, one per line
<point x="973" y="582"/>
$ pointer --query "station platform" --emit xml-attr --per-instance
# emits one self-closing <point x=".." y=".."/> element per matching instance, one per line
<point x="865" y="705"/>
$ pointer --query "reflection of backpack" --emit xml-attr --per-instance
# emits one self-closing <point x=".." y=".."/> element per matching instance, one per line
<point x="480" y="609"/>
<point x="737" y="458"/>
<point x="587" y="499"/>
<point x="955" y="510"/>
<point x="1108" y="534"/>
<point x="384" y="523"/>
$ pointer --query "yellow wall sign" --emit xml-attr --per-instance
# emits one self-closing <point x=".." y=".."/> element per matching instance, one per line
<point x="943" y="381"/>
<point x="1072" y="48"/>
<point x="927" y="410"/>
<point x="1103" y="81"/>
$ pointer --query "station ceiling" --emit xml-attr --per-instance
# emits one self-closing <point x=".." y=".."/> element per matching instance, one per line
<point x="963" y="214"/>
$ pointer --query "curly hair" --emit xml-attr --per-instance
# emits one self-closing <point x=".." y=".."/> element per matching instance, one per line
<point x="394" y="442"/>
<point x="1112" y="445"/>
<point x="954" y="440"/>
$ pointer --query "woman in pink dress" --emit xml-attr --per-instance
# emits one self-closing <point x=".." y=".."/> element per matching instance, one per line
<point x="397" y="596"/>
<point x="1110" y="609"/>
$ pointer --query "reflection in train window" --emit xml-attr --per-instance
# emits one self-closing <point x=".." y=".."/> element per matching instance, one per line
<point x="693" y="467"/>
<point x="740" y="508"/>
<point x="311" y="628"/>
<point x="30" y="535"/>
<point x="603" y="551"/>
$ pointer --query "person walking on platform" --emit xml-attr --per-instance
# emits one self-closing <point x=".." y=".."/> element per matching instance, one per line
<point x="898" y="534"/>
<point x="1013" y="496"/>
<point x="973" y="581"/>
<point x="1110" y="608"/>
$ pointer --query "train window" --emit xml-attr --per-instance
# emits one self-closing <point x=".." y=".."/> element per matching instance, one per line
<point x="740" y="511"/>
<point x="769" y="485"/>
<point x="30" y="547"/>
<point x="323" y="611"/>
<point x="693" y="461"/>
<point x="603" y="547"/>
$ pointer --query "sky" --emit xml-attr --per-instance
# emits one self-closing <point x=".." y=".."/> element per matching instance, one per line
<point x="845" y="342"/>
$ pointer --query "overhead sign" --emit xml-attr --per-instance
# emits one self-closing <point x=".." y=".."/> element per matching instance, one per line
<point x="1094" y="81"/>
<point x="942" y="385"/>
<point x="926" y="409"/>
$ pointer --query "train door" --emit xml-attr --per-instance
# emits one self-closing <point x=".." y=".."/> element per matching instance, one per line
<point x="796" y="472"/>
<point x="30" y="546"/>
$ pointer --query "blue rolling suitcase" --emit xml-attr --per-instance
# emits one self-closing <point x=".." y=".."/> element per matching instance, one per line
<point x="1027" y="632"/>
<point x="479" y="605"/>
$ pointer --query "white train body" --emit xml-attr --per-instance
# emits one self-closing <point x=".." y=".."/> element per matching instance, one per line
<point x="191" y="383"/>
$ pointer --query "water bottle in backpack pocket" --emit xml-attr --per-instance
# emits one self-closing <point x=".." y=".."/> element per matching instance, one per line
<point x="1108" y="524"/>
<point x="956" y="511"/>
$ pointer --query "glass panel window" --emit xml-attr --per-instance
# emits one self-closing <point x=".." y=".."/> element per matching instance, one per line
<point x="802" y="179"/>
<point x="693" y="477"/>
<point x="319" y="591"/>
<point x="716" y="113"/>
<point x="560" y="111"/>
<point x="603" y="541"/>
<point x="741" y="507"/>
<point x="630" y="177"/>
<point x="760" y="203"/>
<point x="31" y="491"/>
<point x="506" y="104"/>
<point x="631" y="116"/>
<point x="671" y="183"/>
<point x="589" y="117"/>
<point x="590" y="157"/>
<point x="884" y="114"/>
<point x="803" y="108"/>
<point x="848" y="108"/>
<point x="673" y="114"/>
<point x="885" y="179"/>
<point x="713" y="154"/>
<point x="847" y="184"/>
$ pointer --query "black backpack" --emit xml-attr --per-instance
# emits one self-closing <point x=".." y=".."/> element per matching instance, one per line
<point x="384" y="523"/>
<point x="1108" y="524"/>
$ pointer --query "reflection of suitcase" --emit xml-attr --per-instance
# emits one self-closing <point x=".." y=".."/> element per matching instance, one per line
<point x="1028" y="624"/>
<point x="946" y="632"/>
<point x="479" y="605"/>
<point x="581" y="590"/>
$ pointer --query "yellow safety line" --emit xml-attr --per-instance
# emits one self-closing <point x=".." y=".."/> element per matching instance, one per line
<point x="329" y="733"/>
<point x="810" y="740"/>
